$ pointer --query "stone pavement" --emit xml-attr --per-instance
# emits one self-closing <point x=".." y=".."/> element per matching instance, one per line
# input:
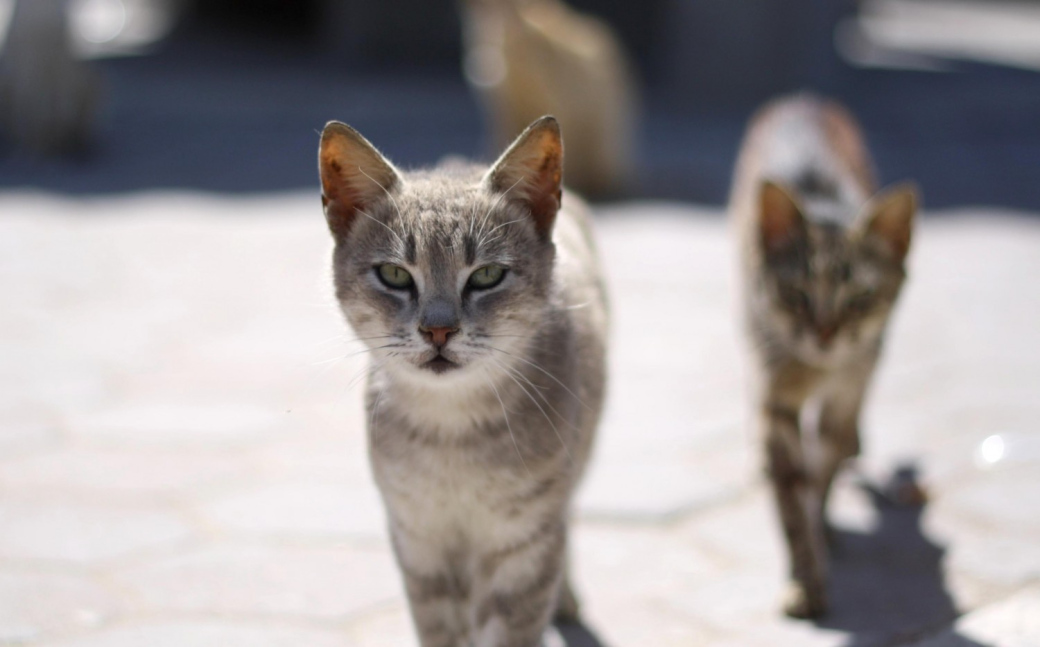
<point x="182" y="456"/>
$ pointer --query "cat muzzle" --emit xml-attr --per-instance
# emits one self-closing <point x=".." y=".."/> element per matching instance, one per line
<point x="440" y="364"/>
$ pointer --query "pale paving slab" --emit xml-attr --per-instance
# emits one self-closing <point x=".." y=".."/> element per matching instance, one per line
<point x="117" y="474"/>
<point x="387" y="627"/>
<point x="37" y="605"/>
<point x="172" y="424"/>
<point x="675" y="385"/>
<point x="329" y="510"/>
<point x="213" y="633"/>
<point x="81" y="534"/>
<point x="181" y="429"/>
<point x="28" y="429"/>
<point x="316" y="583"/>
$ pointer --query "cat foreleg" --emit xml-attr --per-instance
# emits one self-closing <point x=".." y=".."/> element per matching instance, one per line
<point x="839" y="439"/>
<point x="797" y="501"/>
<point x="517" y="589"/>
<point x="437" y="597"/>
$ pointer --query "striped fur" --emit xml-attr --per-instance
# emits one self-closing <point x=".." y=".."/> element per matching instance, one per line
<point x="822" y="263"/>
<point x="476" y="464"/>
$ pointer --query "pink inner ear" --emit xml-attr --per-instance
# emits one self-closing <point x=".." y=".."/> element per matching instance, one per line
<point x="531" y="172"/>
<point x="339" y="201"/>
<point x="545" y="194"/>
<point x="780" y="219"/>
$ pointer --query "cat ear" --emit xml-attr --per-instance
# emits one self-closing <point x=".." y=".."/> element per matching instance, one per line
<point x="531" y="172"/>
<point x="889" y="218"/>
<point x="780" y="220"/>
<point x="353" y="175"/>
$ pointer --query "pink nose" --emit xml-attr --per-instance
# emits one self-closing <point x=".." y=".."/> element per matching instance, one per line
<point x="826" y="333"/>
<point x="438" y="335"/>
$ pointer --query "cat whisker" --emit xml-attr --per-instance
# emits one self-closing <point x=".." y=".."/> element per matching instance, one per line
<point x="388" y="194"/>
<point x="357" y="377"/>
<point x="487" y="242"/>
<point x="556" y="431"/>
<point x="536" y="366"/>
<point x="375" y="407"/>
<point x="363" y="373"/>
<point x="483" y="242"/>
<point x="483" y="222"/>
<point x="529" y="346"/>
<point x="509" y="427"/>
<point x="399" y="239"/>
<point x="539" y="390"/>
<point x="342" y="339"/>
<point x="358" y="352"/>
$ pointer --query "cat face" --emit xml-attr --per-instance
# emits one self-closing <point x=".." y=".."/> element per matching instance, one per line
<point x="830" y="288"/>
<point x="445" y="274"/>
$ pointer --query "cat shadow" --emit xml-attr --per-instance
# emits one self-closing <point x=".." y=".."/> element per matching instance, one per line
<point x="887" y="585"/>
<point x="576" y="634"/>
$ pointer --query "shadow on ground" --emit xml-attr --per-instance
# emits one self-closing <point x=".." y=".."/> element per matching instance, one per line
<point x="578" y="635"/>
<point x="887" y="586"/>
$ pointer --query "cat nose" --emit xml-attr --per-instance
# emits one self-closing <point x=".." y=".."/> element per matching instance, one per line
<point x="438" y="335"/>
<point x="438" y="321"/>
<point x="826" y="333"/>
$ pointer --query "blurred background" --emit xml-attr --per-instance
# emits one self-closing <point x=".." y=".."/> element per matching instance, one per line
<point x="228" y="95"/>
<point x="182" y="437"/>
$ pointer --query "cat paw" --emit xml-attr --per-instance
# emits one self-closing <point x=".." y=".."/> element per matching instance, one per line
<point x="802" y="601"/>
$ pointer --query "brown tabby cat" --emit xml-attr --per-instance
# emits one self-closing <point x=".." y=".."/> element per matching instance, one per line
<point x="822" y="262"/>
<point x="526" y="58"/>
<point x="478" y="292"/>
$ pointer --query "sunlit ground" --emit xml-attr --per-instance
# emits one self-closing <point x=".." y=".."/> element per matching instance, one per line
<point x="182" y="459"/>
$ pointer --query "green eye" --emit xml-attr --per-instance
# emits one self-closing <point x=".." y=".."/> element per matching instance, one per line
<point x="394" y="276"/>
<point x="486" y="277"/>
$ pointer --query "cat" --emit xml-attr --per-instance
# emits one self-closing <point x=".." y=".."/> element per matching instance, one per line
<point x="526" y="58"/>
<point x="477" y="291"/>
<point x="822" y="260"/>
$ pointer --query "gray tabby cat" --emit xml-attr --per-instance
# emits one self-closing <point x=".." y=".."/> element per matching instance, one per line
<point x="479" y="295"/>
<point x="822" y="262"/>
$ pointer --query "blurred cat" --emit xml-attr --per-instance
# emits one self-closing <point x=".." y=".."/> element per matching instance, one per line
<point x="478" y="293"/>
<point x="822" y="263"/>
<point x="526" y="58"/>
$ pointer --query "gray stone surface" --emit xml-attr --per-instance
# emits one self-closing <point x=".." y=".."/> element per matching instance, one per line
<point x="182" y="451"/>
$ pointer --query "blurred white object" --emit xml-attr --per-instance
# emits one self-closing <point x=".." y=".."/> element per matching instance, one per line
<point x="901" y="32"/>
<point x="47" y="95"/>
<point x="104" y="28"/>
<point x="1007" y="448"/>
<point x="120" y="27"/>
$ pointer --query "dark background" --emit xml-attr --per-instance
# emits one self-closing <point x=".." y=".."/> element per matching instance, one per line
<point x="234" y="99"/>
